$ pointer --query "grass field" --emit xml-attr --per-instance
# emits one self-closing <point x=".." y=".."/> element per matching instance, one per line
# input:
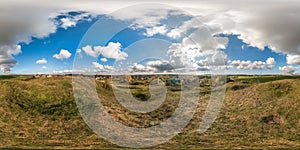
<point x="258" y="112"/>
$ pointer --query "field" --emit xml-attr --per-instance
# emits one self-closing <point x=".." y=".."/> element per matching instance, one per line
<point x="258" y="112"/>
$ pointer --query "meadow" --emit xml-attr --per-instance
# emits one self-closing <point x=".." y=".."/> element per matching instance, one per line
<point x="258" y="112"/>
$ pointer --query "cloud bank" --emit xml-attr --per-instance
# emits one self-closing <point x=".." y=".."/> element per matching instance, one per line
<point x="255" y="65"/>
<point x="258" y="23"/>
<point x="288" y="69"/>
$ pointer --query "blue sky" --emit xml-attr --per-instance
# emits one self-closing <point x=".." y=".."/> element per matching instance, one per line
<point x="46" y="47"/>
<point x="154" y="42"/>
<point x="70" y="38"/>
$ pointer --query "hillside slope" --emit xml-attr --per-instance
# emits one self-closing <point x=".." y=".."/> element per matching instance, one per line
<point x="42" y="113"/>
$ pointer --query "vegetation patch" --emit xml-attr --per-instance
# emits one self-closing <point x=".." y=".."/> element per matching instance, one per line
<point x="239" y="87"/>
<point x="264" y="79"/>
<point x="6" y="77"/>
<point x="142" y="96"/>
<point x="279" y="89"/>
<point x="272" y="119"/>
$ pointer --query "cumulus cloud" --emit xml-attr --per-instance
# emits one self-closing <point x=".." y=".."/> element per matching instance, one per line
<point x="44" y="67"/>
<point x="19" y="26"/>
<point x="247" y="65"/>
<point x="41" y="61"/>
<point x="68" y="71"/>
<point x="89" y="50"/>
<point x="255" y="65"/>
<point x="288" y="69"/>
<point x="112" y="50"/>
<point x="145" y="17"/>
<point x="100" y="67"/>
<point x="154" y="66"/>
<point x="103" y="59"/>
<point x="141" y="68"/>
<point x="160" y="65"/>
<point x="63" y="54"/>
<point x="22" y="20"/>
<point x="258" y="23"/>
<point x="193" y="23"/>
<point x="217" y="59"/>
<point x="274" y="26"/>
<point x="67" y="22"/>
<point x="293" y="59"/>
<point x="271" y="61"/>
<point x="70" y="19"/>
<point x="75" y="71"/>
<point x="199" y="44"/>
<point x="7" y="61"/>
<point x="155" y="30"/>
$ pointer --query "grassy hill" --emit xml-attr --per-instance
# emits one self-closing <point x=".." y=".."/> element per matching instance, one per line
<point x="258" y="112"/>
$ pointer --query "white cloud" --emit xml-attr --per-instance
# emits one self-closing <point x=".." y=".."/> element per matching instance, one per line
<point x="41" y="61"/>
<point x="182" y="30"/>
<point x="200" y="43"/>
<point x="248" y="65"/>
<point x="154" y="66"/>
<point x="89" y="50"/>
<point x="155" y="30"/>
<point x="67" y="22"/>
<point x="78" y="51"/>
<point x="63" y="54"/>
<point x="71" y="20"/>
<point x="98" y="66"/>
<point x="83" y="71"/>
<point x="102" y="68"/>
<point x="217" y="59"/>
<point x="174" y="33"/>
<point x="103" y="59"/>
<point x="259" y="23"/>
<point x="146" y="17"/>
<point x="44" y="67"/>
<point x="256" y="65"/>
<point x="293" y="59"/>
<point x="22" y="20"/>
<point x="7" y="61"/>
<point x="288" y="69"/>
<point x="160" y="65"/>
<point x="112" y="50"/>
<point x="259" y="26"/>
<point x="271" y="61"/>
<point x="141" y="68"/>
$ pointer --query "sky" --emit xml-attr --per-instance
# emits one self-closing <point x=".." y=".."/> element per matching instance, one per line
<point x="106" y="37"/>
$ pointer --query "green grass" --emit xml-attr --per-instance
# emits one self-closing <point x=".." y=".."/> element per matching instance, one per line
<point x="263" y="79"/>
<point x="42" y="113"/>
<point x="6" y="77"/>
